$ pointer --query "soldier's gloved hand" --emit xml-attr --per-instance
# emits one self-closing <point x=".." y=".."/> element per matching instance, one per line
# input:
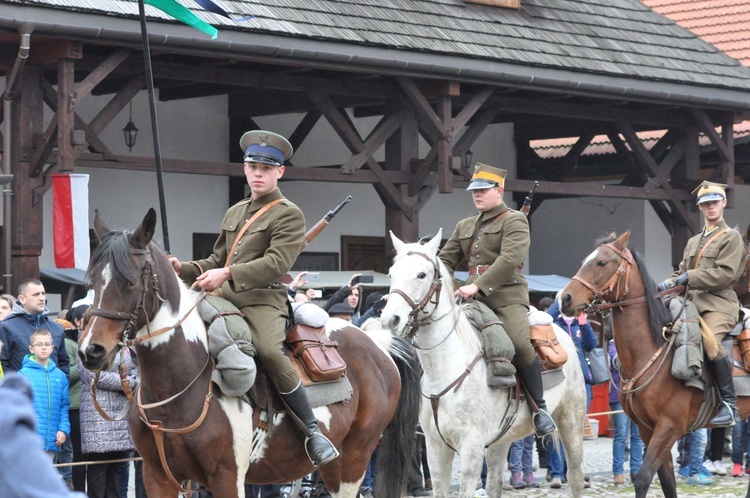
<point x="681" y="280"/>
<point x="667" y="284"/>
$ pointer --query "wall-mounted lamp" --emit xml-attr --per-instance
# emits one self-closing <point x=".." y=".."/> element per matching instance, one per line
<point x="468" y="157"/>
<point x="130" y="131"/>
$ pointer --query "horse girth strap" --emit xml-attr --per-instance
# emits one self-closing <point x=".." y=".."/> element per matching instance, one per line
<point x="435" y="398"/>
<point x="247" y="225"/>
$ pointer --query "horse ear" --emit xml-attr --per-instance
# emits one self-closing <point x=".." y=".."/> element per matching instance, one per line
<point x="434" y="244"/>
<point x="622" y="240"/>
<point x="145" y="232"/>
<point x="100" y="226"/>
<point x="397" y="244"/>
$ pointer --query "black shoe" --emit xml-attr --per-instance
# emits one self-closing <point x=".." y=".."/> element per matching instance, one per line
<point x="543" y="423"/>
<point x="727" y="415"/>
<point x="319" y="449"/>
<point x="531" y="377"/>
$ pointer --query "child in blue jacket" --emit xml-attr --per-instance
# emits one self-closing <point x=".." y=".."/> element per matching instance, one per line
<point x="50" y="387"/>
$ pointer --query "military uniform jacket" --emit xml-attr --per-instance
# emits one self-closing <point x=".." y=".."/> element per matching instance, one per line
<point x="719" y="268"/>
<point x="490" y="239"/>
<point x="265" y="253"/>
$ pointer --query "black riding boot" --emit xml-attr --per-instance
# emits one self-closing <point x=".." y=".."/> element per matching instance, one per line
<point x="531" y="377"/>
<point x="319" y="449"/>
<point x="727" y="414"/>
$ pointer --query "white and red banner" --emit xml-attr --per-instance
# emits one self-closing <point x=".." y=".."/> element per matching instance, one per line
<point x="70" y="220"/>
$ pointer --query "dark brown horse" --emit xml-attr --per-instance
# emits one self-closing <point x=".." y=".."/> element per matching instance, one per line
<point x="614" y="280"/>
<point x="195" y="432"/>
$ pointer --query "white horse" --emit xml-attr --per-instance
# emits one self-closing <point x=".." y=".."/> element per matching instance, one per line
<point x="470" y="416"/>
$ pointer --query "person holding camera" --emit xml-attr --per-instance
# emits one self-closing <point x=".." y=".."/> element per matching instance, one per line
<point x="349" y="294"/>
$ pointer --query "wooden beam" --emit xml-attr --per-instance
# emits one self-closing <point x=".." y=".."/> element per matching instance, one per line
<point x="384" y="129"/>
<point x="708" y="129"/>
<point x="470" y="109"/>
<point x="304" y="128"/>
<point x="342" y="125"/>
<point x="83" y="89"/>
<point x="424" y="108"/>
<point x="444" y="147"/>
<point x="590" y="112"/>
<point x="65" y="115"/>
<point x="327" y="173"/>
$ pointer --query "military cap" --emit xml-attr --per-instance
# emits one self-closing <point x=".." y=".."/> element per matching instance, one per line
<point x="710" y="191"/>
<point x="486" y="176"/>
<point x="265" y="147"/>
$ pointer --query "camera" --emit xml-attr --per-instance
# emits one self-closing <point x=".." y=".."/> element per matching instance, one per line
<point x="312" y="277"/>
<point x="364" y="279"/>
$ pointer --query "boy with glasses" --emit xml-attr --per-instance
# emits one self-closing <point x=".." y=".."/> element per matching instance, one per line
<point x="50" y="387"/>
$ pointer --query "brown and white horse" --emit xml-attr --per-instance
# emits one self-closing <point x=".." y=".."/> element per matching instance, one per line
<point x="186" y="430"/>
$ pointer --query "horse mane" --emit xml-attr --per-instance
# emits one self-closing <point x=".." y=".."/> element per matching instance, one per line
<point x="114" y="249"/>
<point x="658" y="314"/>
<point x="464" y="330"/>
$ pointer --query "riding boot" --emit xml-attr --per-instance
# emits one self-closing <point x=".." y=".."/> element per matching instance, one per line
<point x="727" y="414"/>
<point x="531" y="377"/>
<point x="319" y="449"/>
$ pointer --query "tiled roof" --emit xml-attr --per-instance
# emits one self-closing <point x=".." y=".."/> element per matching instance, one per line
<point x="621" y="38"/>
<point x="600" y="144"/>
<point x="723" y="23"/>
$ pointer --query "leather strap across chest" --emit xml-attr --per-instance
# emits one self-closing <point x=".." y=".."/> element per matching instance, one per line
<point x="708" y="243"/>
<point x="247" y="225"/>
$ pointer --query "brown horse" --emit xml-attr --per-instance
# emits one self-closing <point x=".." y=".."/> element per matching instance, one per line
<point x="186" y="430"/>
<point x="613" y="280"/>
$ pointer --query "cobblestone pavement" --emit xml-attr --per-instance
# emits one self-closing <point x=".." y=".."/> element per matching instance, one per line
<point x="598" y="466"/>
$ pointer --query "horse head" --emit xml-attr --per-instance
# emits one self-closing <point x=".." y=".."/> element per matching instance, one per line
<point x="128" y="274"/>
<point x="599" y="276"/>
<point x="416" y="283"/>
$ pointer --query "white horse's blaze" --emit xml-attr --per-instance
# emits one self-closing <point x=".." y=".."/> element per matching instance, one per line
<point x="591" y="256"/>
<point x="106" y="280"/>
<point x="240" y="416"/>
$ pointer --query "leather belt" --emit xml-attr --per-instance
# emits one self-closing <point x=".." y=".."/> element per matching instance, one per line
<point x="478" y="270"/>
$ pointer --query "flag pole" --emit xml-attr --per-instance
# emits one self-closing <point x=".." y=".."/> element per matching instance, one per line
<point x="154" y="124"/>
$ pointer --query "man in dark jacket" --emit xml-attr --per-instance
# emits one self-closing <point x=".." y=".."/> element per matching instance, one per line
<point x="30" y="313"/>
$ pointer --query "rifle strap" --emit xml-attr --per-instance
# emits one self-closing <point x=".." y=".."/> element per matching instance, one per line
<point x="247" y="225"/>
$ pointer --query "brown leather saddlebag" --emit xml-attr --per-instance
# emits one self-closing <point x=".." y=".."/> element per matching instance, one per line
<point x="743" y="339"/>
<point x="551" y="354"/>
<point x="316" y="352"/>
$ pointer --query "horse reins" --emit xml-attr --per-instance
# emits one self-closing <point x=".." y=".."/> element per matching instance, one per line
<point x="156" y="426"/>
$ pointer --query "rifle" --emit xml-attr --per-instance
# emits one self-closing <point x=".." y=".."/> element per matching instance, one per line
<point x="320" y="225"/>
<point x="527" y="202"/>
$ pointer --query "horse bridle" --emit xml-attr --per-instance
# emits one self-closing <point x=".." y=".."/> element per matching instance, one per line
<point x="131" y="327"/>
<point x="599" y="302"/>
<point x="416" y="308"/>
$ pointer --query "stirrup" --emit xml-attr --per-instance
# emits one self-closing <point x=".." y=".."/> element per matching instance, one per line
<point x="326" y="459"/>
<point x="733" y="414"/>
<point x="543" y="413"/>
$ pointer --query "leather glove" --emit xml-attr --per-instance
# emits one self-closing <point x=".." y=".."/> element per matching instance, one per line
<point x="667" y="284"/>
<point x="681" y="280"/>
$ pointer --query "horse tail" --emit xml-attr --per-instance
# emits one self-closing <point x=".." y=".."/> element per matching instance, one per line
<point x="397" y="443"/>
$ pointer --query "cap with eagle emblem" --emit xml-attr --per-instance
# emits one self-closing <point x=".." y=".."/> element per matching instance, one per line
<point x="265" y="147"/>
<point x="710" y="191"/>
<point x="486" y="176"/>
